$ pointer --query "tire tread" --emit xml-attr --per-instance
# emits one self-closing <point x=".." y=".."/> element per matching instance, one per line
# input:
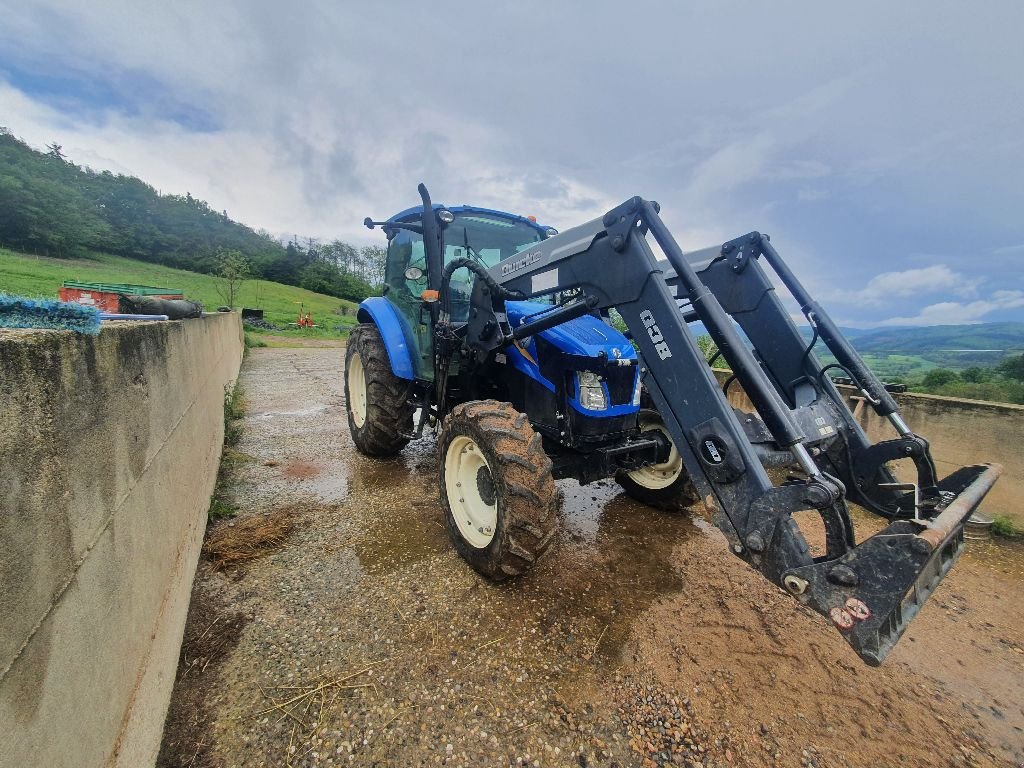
<point x="388" y="411"/>
<point x="527" y="522"/>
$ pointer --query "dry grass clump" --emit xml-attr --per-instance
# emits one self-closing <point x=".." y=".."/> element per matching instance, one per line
<point x="245" y="540"/>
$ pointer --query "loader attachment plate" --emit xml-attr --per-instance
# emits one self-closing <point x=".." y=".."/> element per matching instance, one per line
<point x="895" y="571"/>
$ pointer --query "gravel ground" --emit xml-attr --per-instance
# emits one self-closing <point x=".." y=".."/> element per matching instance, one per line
<point x="365" y="641"/>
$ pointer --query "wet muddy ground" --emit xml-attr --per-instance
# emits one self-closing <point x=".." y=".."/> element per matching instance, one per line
<point x="638" y="640"/>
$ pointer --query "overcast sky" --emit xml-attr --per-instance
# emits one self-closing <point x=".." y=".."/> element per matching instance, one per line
<point x="881" y="144"/>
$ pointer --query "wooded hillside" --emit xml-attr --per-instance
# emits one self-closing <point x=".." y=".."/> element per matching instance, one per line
<point x="50" y="206"/>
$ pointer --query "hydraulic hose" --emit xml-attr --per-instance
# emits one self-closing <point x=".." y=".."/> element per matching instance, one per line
<point x="444" y="335"/>
<point x="476" y="268"/>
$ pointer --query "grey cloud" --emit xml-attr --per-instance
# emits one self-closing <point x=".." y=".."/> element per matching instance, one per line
<point x="857" y="135"/>
<point x="545" y="186"/>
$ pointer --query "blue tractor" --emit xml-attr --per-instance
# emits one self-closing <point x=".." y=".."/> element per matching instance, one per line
<point x="562" y="401"/>
<point x="498" y="331"/>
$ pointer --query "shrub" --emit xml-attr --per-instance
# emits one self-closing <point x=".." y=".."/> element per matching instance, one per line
<point x="234" y="409"/>
<point x="1003" y="525"/>
<point x="997" y="391"/>
<point x="938" y="377"/>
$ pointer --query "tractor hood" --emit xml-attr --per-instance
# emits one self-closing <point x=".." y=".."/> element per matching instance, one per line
<point x="588" y="335"/>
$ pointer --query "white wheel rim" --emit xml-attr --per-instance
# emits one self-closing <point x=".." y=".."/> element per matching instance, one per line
<point x="657" y="476"/>
<point x="475" y="517"/>
<point x="357" y="389"/>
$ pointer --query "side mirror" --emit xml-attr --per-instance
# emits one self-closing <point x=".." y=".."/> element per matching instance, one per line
<point x="391" y="226"/>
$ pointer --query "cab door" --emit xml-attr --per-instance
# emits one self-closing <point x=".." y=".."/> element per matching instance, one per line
<point x="405" y="278"/>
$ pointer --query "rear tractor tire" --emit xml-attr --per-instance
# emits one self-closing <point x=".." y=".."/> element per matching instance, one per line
<point x="498" y="494"/>
<point x="665" y="485"/>
<point x="377" y="401"/>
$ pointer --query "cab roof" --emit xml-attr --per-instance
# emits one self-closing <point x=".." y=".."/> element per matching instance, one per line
<point x="470" y="209"/>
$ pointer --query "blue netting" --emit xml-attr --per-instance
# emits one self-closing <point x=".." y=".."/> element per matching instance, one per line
<point x="19" y="312"/>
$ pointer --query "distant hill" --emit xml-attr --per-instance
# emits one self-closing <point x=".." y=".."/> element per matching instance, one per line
<point x="1005" y="337"/>
<point x="952" y="346"/>
<point x="850" y="333"/>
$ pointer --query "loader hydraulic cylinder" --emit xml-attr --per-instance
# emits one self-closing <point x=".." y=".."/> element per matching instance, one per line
<point x="720" y="327"/>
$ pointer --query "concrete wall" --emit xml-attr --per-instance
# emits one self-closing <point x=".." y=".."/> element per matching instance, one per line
<point x="960" y="432"/>
<point x="109" y="448"/>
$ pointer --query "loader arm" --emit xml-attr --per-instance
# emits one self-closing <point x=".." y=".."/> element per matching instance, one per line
<point x="871" y="590"/>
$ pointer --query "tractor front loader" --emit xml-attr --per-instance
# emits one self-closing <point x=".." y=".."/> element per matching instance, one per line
<point x="495" y="328"/>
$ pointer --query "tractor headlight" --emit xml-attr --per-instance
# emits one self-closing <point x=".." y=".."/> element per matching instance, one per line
<point x="592" y="395"/>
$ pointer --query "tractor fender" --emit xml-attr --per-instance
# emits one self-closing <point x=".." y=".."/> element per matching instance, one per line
<point x="385" y="316"/>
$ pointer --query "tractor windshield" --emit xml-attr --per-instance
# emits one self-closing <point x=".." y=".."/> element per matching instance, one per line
<point x="486" y="238"/>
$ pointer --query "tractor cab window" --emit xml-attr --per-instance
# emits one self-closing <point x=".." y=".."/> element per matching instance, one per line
<point x="405" y="251"/>
<point x="487" y="239"/>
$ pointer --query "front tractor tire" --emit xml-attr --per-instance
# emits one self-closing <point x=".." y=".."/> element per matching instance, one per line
<point x="497" y="489"/>
<point x="665" y="485"/>
<point x="377" y="401"/>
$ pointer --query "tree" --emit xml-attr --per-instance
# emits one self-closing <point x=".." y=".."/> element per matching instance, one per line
<point x="56" y="151"/>
<point x="939" y="377"/>
<point x="976" y="375"/>
<point x="374" y="260"/>
<point x="1012" y="367"/>
<point x="709" y="349"/>
<point x="343" y="256"/>
<point x="233" y="270"/>
<point x="322" y="277"/>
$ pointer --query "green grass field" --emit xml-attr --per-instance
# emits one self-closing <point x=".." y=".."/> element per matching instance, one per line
<point x="895" y="367"/>
<point x="41" y="277"/>
<point x="908" y="369"/>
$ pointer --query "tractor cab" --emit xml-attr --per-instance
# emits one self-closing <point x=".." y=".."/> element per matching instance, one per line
<point x="420" y="245"/>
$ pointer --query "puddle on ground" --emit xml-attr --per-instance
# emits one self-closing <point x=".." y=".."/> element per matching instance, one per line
<point x="613" y="560"/>
<point x="398" y="500"/>
<point x="328" y="488"/>
<point x="612" y="557"/>
<point x="399" y="537"/>
<point x="299" y="469"/>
